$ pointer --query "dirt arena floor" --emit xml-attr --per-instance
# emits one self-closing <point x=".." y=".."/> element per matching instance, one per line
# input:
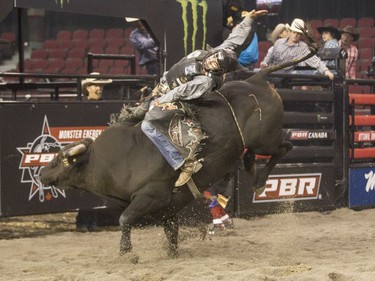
<point x="337" y="245"/>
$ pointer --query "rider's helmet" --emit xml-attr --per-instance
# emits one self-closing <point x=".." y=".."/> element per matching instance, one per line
<point x="223" y="60"/>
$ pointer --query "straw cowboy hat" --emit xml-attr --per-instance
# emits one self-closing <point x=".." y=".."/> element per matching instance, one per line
<point x="295" y="24"/>
<point x="349" y="29"/>
<point x="131" y="19"/>
<point x="331" y="29"/>
<point x="277" y="31"/>
<point x="95" y="81"/>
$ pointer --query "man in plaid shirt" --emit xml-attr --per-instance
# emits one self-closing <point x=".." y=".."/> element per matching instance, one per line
<point x="292" y="47"/>
<point x="348" y="36"/>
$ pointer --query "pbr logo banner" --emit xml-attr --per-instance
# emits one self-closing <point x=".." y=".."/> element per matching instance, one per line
<point x="306" y="187"/>
<point x="31" y="135"/>
<point x="362" y="187"/>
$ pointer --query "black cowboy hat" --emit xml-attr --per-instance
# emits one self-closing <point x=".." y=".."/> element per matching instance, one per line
<point x="331" y="29"/>
<point x="349" y="29"/>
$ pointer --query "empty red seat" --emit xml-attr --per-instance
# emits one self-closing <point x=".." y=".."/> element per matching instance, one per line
<point x="332" y="21"/>
<point x="264" y="46"/>
<point x="112" y="50"/>
<point x="117" y="70"/>
<point x="98" y="42"/>
<point x="66" y="44"/>
<point x="27" y="65"/>
<point x="55" y="65"/>
<point x="347" y="21"/>
<point x="115" y="42"/>
<point x="81" y="43"/>
<point x="80" y="34"/>
<point x="363" y="64"/>
<point x="71" y="66"/>
<point x="101" y="69"/>
<point x="9" y="36"/>
<point x="316" y="23"/>
<point x="50" y="44"/>
<point x="96" y="50"/>
<point x="64" y="35"/>
<point x="121" y="63"/>
<point x="366" y="32"/>
<point x="127" y="50"/>
<point x="365" y="22"/>
<point x="105" y="63"/>
<point x="77" y="53"/>
<point x="39" y="65"/>
<point x="127" y="32"/>
<point x="57" y="53"/>
<point x="366" y="53"/>
<point x="366" y="43"/>
<point x="97" y="33"/>
<point x="39" y="54"/>
<point x="114" y="33"/>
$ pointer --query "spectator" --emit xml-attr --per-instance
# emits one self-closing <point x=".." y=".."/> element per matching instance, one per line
<point x="292" y="47"/>
<point x="232" y="15"/>
<point x="92" y="88"/>
<point x="330" y="35"/>
<point x="87" y="220"/>
<point x="280" y="31"/>
<point x="348" y="36"/>
<point x="146" y="47"/>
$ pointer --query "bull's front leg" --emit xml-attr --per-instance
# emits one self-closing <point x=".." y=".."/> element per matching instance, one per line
<point x="125" y="242"/>
<point x="170" y="226"/>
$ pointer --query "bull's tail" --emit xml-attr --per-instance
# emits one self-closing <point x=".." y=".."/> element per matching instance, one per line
<point x="312" y="47"/>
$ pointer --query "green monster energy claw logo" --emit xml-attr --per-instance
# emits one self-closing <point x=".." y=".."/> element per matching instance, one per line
<point x="195" y="6"/>
<point x="61" y="2"/>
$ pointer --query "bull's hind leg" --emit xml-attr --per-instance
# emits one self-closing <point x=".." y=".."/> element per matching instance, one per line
<point x="263" y="174"/>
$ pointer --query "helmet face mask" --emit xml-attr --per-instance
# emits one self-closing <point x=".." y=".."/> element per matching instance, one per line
<point x="220" y="61"/>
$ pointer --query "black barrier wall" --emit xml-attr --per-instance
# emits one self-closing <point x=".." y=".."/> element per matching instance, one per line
<point x="31" y="134"/>
<point x="311" y="176"/>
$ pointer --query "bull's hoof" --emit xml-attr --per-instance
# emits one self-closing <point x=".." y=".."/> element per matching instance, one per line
<point x="173" y="252"/>
<point x="124" y="250"/>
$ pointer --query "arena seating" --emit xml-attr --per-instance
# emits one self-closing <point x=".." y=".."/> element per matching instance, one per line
<point x="67" y="53"/>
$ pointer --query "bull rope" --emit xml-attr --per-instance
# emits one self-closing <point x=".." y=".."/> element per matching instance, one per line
<point x="234" y="117"/>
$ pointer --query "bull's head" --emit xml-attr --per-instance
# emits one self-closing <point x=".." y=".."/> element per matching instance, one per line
<point x="62" y="170"/>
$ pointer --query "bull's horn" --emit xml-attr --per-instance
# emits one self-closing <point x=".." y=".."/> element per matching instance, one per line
<point x="75" y="150"/>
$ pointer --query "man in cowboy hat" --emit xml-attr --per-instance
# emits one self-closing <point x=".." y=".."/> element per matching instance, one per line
<point x="291" y="48"/>
<point x="330" y="36"/>
<point x="92" y="88"/>
<point x="348" y="36"/>
<point x="280" y="31"/>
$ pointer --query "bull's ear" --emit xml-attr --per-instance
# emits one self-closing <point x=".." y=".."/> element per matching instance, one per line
<point x="75" y="150"/>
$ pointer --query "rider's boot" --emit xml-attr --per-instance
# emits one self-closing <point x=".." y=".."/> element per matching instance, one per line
<point x="190" y="167"/>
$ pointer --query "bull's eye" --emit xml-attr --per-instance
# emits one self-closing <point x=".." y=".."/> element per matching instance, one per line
<point x="74" y="160"/>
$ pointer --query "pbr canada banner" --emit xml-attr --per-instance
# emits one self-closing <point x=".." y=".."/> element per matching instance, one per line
<point x="362" y="187"/>
<point x="31" y="135"/>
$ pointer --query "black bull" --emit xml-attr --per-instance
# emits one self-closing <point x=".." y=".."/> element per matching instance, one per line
<point x="123" y="164"/>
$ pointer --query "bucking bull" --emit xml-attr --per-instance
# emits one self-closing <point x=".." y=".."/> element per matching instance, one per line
<point x="123" y="164"/>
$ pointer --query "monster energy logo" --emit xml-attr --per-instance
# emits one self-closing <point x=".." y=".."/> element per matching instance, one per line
<point x="61" y="2"/>
<point x="194" y="6"/>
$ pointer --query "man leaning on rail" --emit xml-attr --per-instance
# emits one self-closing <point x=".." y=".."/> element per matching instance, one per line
<point x="199" y="72"/>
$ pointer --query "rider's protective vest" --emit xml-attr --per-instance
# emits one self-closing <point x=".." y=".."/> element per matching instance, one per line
<point x="186" y="69"/>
